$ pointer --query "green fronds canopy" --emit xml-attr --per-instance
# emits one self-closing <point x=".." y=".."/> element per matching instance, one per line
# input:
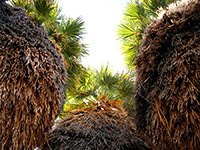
<point x="168" y="78"/>
<point x="40" y="11"/>
<point x="67" y="33"/>
<point x="137" y="16"/>
<point x="95" y="83"/>
<point x="105" y="126"/>
<point x="68" y="36"/>
<point x="32" y="81"/>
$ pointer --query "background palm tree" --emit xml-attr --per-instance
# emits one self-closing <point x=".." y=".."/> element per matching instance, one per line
<point x="103" y="82"/>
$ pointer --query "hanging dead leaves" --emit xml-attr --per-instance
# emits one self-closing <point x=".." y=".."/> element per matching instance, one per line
<point x="32" y="88"/>
<point x="32" y="81"/>
<point x="102" y="126"/>
<point x="168" y="78"/>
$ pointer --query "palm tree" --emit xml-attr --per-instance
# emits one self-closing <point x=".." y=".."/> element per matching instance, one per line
<point x="67" y="33"/>
<point x="32" y="81"/>
<point x="105" y="126"/>
<point x="168" y="78"/>
<point x="138" y="15"/>
<point x="95" y="83"/>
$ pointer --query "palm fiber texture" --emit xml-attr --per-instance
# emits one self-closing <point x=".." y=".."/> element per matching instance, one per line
<point x="32" y="81"/>
<point x="168" y="78"/>
<point x="105" y="126"/>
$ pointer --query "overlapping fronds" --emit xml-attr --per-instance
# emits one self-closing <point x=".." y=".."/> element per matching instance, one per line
<point x="66" y="32"/>
<point x="103" y="126"/>
<point x="32" y="81"/>
<point x="168" y="78"/>
<point x="95" y="83"/>
<point x="138" y="14"/>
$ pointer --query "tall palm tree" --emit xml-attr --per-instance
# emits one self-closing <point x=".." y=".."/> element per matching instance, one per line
<point x="138" y="15"/>
<point x="32" y="81"/>
<point x="168" y="78"/>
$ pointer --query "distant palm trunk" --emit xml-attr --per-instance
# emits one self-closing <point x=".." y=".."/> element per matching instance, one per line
<point x="32" y="81"/>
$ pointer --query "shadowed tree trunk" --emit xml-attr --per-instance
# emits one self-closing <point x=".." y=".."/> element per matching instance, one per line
<point x="32" y="81"/>
<point x="168" y="78"/>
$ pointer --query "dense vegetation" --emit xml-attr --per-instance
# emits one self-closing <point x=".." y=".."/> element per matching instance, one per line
<point x="84" y="84"/>
<point x="160" y="90"/>
<point x="137" y="16"/>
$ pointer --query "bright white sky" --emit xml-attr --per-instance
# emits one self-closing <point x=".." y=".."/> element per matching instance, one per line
<point x="101" y="18"/>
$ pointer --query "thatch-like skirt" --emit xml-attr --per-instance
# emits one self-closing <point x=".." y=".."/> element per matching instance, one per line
<point x="32" y="81"/>
<point x="168" y="78"/>
<point x="99" y="128"/>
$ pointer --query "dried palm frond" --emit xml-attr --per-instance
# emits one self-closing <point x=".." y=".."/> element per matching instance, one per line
<point x="168" y="78"/>
<point x="103" y="126"/>
<point x="32" y="81"/>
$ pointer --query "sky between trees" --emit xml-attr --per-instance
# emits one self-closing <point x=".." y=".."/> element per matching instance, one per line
<point x="101" y="22"/>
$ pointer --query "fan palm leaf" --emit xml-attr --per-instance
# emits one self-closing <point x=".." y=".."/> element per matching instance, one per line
<point x="137" y="16"/>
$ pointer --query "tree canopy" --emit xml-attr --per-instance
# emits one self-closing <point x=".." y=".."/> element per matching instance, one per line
<point x="85" y="86"/>
<point x="96" y="83"/>
<point x="138" y="15"/>
<point x="67" y="33"/>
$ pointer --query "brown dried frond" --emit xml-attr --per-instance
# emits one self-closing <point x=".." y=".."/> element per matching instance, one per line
<point x="99" y="127"/>
<point x="32" y="81"/>
<point x="168" y="78"/>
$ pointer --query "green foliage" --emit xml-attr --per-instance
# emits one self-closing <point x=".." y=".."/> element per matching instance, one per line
<point x="84" y="86"/>
<point x="96" y="83"/>
<point x="40" y="11"/>
<point x="138" y="15"/>
<point x="67" y="33"/>
<point x="43" y="7"/>
<point x="26" y="4"/>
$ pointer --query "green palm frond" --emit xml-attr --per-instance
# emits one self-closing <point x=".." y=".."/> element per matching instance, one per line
<point x="105" y="77"/>
<point x="138" y="15"/>
<point x="73" y="28"/>
<point x="67" y="33"/>
<point x="26" y="4"/>
<point x="44" y="7"/>
<point x="95" y="83"/>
